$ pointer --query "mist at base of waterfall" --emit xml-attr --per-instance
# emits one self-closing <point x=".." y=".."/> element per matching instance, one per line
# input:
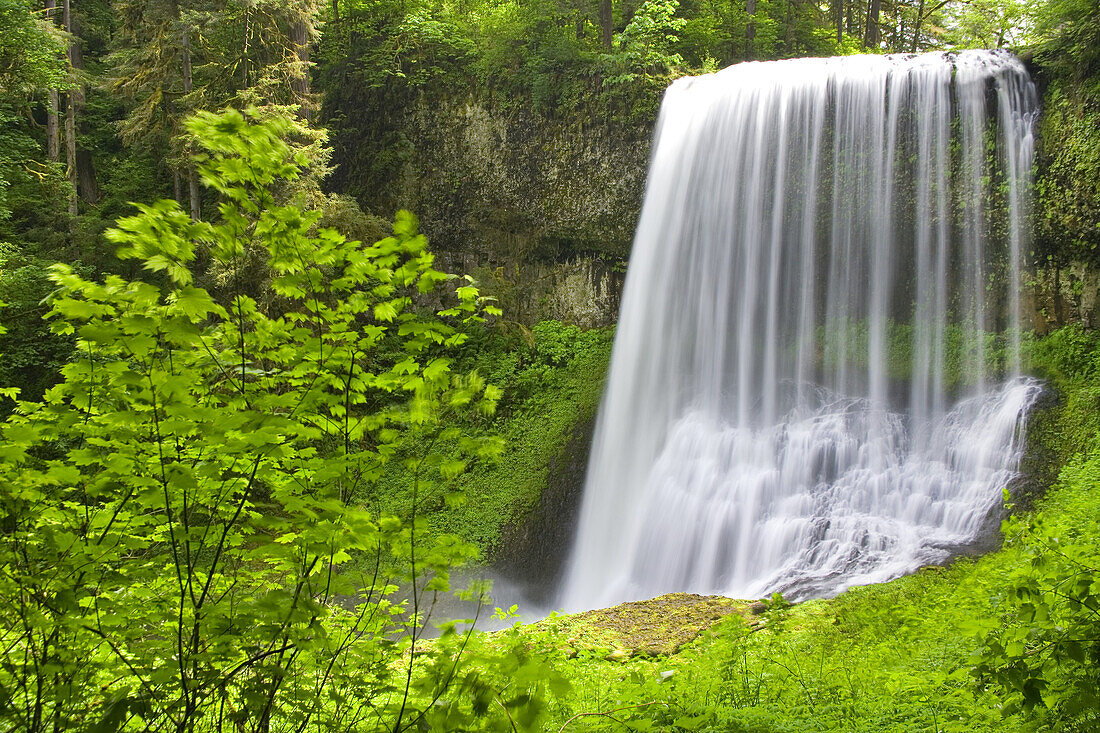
<point x="837" y="495"/>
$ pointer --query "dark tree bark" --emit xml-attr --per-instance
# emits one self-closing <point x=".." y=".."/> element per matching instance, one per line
<point x="188" y="86"/>
<point x="872" y="35"/>
<point x="185" y="63"/>
<point x="53" y="128"/>
<point x="244" y="52"/>
<point x="79" y="162"/>
<point x="787" y="25"/>
<point x="300" y="84"/>
<point x="917" y="26"/>
<point x="605" y="23"/>
<point x="71" y="107"/>
<point x="750" y="29"/>
<point x="85" y="170"/>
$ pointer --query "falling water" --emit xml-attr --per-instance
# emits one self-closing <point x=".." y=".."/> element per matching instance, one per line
<point x="816" y="374"/>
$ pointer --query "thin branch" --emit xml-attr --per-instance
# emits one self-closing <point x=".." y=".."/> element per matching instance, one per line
<point x="608" y="713"/>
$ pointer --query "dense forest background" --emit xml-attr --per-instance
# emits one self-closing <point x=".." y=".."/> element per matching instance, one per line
<point x="518" y="131"/>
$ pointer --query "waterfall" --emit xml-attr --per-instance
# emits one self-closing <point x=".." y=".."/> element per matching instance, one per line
<point x="816" y="378"/>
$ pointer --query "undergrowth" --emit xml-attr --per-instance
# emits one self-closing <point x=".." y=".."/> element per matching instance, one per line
<point x="1006" y="642"/>
<point x="551" y="378"/>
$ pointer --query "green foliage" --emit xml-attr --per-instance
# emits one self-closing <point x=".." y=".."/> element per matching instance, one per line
<point x="1046" y="655"/>
<point x="24" y="181"/>
<point x="1067" y="355"/>
<point x="645" y="47"/>
<point x="1068" y="185"/>
<point x="30" y="355"/>
<point x="1069" y="40"/>
<point x="559" y="344"/>
<point x="178" y="548"/>
<point x="990" y="23"/>
<point x="550" y="388"/>
<point x="1067" y="359"/>
<point x="31" y="54"/>
<point x="30" y="49"/>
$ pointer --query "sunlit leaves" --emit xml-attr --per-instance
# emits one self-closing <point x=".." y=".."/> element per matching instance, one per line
<point x="1045" y="656"/>
<point x="178" y="508"/>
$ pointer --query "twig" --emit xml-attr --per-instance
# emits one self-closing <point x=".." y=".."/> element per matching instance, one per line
<point x="607" y="713"/>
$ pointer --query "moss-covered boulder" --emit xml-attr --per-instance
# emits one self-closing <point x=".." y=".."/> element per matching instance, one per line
<point x="658" y="627"/>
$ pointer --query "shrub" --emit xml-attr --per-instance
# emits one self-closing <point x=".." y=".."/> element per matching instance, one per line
<point x="177" y="549"/>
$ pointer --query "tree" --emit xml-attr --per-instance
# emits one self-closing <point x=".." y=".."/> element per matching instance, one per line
<point x="175" y="57"/>
<point x="990" y="23"/>
<point x="180" y="548"/>
<point x="645" y="47"/>
<point x="29" y="64"/>
<point x="873" y="33"/>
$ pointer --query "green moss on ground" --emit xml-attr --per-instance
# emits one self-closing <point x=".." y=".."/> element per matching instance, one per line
<point x="659" y="627"/>
<point x="536" y="430"/>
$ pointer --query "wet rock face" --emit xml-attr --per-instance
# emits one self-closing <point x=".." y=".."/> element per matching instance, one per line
<point x="534" y="551"/>
<point x="583" y="290"/>
<point x="524" y="187"/>
<point x="1066" y="294"/>
<point x="542" y="208"/>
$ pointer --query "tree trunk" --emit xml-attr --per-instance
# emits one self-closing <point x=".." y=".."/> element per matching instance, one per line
<point x="244" y="53"/>
<point x="185" y="68"/>
<point x="916" y="27"/>
<point x="787" y="26"/>
<point x="192" y="179"/>
<point x="838" y="16"/>
<point x="79" y="162"/>
<point x="70" y="113"/>
<point x="85" y="172"/>
<point x="750" y="29"/>
<point x="872" y="36"/>
<point x="605" y="24"/>
<point x="53" y="129"/>
<point x="300" y="83"/>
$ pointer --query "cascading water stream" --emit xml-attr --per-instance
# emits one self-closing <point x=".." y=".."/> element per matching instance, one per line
<point x="816" y="375"/>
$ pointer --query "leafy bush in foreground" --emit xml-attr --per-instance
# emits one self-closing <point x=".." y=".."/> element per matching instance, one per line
<point x="176" y="547"/>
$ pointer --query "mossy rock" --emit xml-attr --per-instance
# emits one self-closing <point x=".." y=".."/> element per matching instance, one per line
<point x="659" y="627"/>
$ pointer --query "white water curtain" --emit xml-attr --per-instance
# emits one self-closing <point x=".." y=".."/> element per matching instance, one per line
<point x="815" y="380"/>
